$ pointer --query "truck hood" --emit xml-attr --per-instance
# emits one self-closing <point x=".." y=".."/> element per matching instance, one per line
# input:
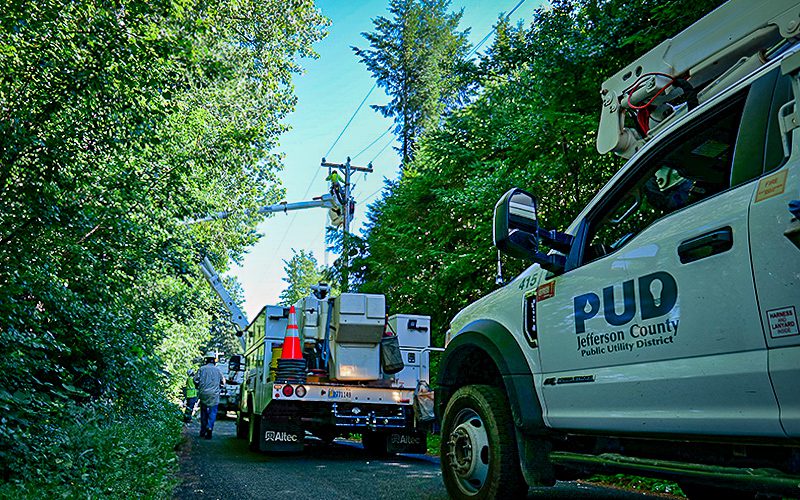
<point x="496" y="304"/>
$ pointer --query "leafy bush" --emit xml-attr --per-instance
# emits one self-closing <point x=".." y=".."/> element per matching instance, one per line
<point x="94" y="451"/>
<point x="638" y="483"/>
<point x="117" y="121"/>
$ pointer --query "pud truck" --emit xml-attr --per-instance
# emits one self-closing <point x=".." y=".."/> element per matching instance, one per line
<point x="659" y="334"/>
<point x="346" y="390"/>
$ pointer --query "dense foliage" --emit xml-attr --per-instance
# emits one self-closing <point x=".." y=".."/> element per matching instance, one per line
<point x="117" y="120"/>
<point x="531" y="124"/>
<point x="418" y="57"/>
<point x="302" y="272"/>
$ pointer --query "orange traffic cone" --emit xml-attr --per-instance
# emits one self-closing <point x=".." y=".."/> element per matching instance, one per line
<point x="291" y="341"/>
<point x="291" y="365"/>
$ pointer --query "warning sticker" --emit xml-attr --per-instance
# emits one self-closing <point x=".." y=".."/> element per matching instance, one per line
<point x="782" y="322"/>
<point x="770" y="186"/>
<point x="546" y="291"/>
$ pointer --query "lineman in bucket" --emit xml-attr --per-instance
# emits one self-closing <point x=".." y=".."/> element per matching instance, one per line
<point x="208" y="380"/>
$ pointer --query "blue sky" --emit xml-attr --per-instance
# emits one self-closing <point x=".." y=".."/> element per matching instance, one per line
<point x="328" y="93"/>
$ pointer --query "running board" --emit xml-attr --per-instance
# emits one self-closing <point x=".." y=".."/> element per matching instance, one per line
<point x="771" y="480"/>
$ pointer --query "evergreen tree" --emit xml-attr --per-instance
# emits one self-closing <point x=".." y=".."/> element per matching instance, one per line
<point x="533" y="125"/>
<point x="302" y="272"/>
<point x="417" y="57"/>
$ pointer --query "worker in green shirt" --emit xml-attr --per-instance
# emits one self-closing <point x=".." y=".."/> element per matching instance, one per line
<point x="336" y="185"/>
<point x="191" y="397"/>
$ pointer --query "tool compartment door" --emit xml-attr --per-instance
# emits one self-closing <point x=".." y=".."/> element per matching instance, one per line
<point x="776" y="262"/>
<point x="656" y="328"/>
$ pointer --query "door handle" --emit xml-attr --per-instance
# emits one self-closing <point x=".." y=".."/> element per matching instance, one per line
<point x="706" y="245"/>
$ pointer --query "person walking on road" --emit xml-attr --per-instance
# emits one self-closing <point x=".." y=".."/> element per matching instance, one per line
<point x="191" y="397"/>
<point x="209" y="380"/>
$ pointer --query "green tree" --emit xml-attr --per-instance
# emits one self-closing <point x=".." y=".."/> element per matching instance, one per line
<point x="117" y="120"/>
<point x="417" y="57"/>
<point x="532" y="125"/>
<point x="302" y="272"/>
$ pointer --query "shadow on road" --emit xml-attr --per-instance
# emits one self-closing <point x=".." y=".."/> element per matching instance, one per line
<point x="223" y="468"/>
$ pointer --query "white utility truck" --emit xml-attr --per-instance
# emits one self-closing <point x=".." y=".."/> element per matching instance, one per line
<point x="229" y="394"/>
<point x="659" y="334"/>
<point x="345" y="390"/>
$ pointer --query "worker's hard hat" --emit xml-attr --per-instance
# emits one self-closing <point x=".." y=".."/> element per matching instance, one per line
<point x="190" y="372"/>
<point x="211" y="355"/>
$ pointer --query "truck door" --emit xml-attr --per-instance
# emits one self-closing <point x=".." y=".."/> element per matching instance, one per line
<point x="776" y="263"/>
<point x="656" y="326"/>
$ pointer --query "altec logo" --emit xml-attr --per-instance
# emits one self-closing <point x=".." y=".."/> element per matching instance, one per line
<point x="404" y="439"/>
<point x="280" y="436"/>
<point x="658" y="294"/>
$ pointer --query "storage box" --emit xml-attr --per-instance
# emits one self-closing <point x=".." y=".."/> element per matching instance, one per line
<point x="414" y="334"/>
<point x="311" y="316"/>
<point x="356" y="362"/>
<point x="358" y="318"/>
<point x="412" y="330"/>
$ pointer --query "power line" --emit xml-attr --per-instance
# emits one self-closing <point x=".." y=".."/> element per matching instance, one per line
<point x="373" y="142"/>
<point x="382" y="149"/>
<point x="374" y="86"/>
<point x="370" y="196"/>
<point x="346" y="126"/>
<point x="486" y="38"/>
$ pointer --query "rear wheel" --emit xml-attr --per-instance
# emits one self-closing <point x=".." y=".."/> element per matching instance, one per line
<point x="254" y="432"/>
<point x="479" y="455"/>
<point x="242" y="427"/>
<point x="375" y="443"/>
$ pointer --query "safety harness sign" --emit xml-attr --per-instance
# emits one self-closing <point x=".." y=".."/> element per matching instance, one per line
<point x="782" y="322"/>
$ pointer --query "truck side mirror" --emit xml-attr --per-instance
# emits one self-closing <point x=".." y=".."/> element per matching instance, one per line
<point x="516" y="231"/>
<point x="515" y="225"/>
<point x="236" y="363"/>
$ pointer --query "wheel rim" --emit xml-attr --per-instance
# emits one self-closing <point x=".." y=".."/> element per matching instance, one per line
<point x="468" y="451"/>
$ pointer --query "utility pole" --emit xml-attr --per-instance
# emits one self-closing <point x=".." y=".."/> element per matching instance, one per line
<point x="347" y="169"/>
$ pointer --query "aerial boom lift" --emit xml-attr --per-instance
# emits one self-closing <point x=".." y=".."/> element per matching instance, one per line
<point x="690" y="68"/>
<point x="237" y="316"/>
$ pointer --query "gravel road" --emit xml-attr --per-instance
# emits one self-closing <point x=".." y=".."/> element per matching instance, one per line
<point x="223" y="468"/>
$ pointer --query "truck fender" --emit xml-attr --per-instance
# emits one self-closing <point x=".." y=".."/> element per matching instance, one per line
<point x="489" y="339"/>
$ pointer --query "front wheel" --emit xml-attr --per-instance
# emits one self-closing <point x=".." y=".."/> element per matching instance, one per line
<point x="479" y="455"/>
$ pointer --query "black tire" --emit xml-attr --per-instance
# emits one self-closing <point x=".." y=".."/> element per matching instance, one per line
<point x="375" y="443"/>
<point x="327" y="436"/>
<point x="254" y="432"/>
<point x="242" y="427"/>
<point x="479" y="456"/>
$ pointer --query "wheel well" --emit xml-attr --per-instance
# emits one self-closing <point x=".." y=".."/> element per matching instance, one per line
<point x="472" y="366"/>
<point x="485" y="352"/>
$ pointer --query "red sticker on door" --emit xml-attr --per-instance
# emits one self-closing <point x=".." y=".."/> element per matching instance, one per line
<point x="546" y="291"/>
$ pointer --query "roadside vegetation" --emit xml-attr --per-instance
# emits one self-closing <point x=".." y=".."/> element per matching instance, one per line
<point x="117" y="121"/>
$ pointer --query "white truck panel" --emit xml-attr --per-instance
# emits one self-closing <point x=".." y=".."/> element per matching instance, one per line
<point x="776" y="267"/>
<point x="715" y="313"/>
<point x="356" y="361"/>
<point x="728" y="395"/>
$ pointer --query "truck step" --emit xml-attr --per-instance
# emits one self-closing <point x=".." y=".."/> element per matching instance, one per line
<point x="761" y="480"/>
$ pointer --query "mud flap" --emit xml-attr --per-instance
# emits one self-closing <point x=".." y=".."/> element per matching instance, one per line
<point x="282" y="435"/>
<point x="407" y="442"/>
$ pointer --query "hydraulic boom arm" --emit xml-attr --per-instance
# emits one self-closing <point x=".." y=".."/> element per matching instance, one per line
<point x="722" y="47"/>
